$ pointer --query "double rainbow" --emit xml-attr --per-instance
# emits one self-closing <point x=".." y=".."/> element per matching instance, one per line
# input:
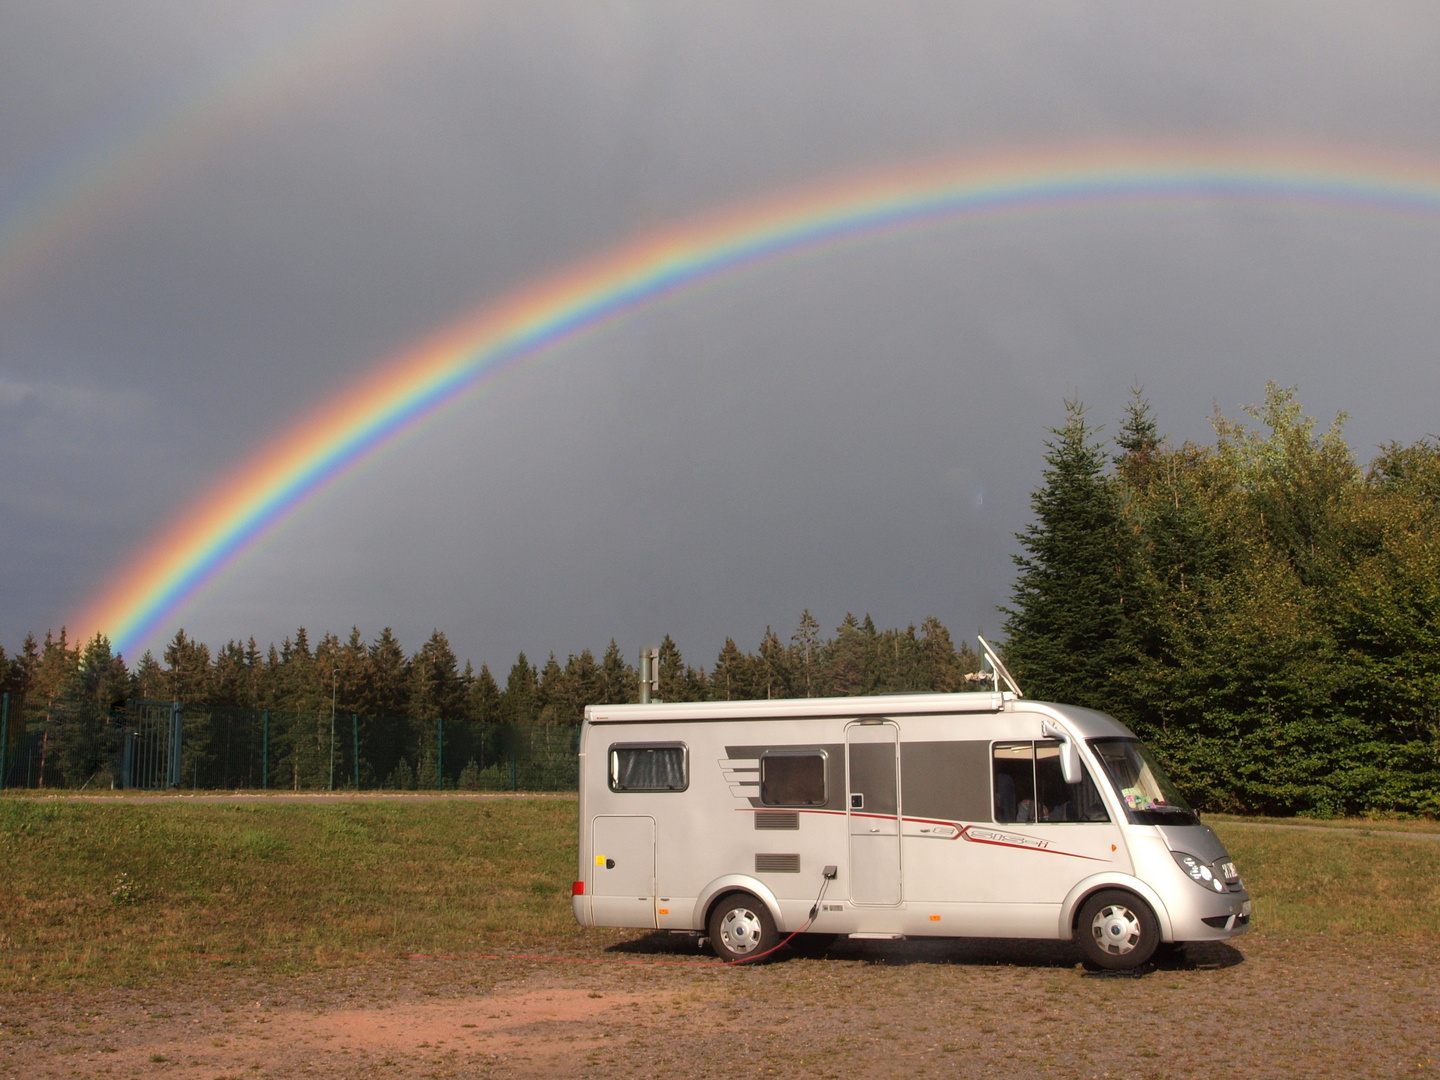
<point x="147" y="595"/>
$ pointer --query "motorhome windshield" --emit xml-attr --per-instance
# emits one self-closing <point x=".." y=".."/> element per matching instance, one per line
<point x="1147" y="793"/>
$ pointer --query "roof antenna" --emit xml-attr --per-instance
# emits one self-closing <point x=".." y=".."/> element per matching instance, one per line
<point x="999" y="669"/>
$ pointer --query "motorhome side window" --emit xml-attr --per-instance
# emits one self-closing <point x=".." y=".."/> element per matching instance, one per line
<point x="1030" y="786"/>
<point x="649" y="767"/>
<point x="792" y="778"/>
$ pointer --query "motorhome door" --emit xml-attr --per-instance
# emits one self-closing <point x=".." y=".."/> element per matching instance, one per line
<point x="873" y="809"/>
<point x="624" y="877"/>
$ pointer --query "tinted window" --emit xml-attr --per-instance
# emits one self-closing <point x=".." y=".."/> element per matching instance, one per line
<point x="1030" y="786"/>
<point x="1014" y="765"/>
<point x="661" y="767"/>
<point x="1059" y="801"/>
<point x="792" y="779"/>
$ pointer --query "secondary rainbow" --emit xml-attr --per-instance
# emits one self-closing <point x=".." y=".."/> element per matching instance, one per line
<point x="148" y="594"/>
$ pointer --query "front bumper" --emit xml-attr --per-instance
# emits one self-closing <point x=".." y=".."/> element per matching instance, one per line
<point x="1210" y="917"/>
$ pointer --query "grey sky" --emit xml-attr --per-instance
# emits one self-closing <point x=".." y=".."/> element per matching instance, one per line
<point x="858" y="431"/>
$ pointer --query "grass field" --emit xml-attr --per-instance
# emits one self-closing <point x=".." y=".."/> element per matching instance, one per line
<point x="121" y="891"/>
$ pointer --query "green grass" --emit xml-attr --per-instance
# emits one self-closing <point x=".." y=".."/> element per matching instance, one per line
<point x="1337" y="877"/>
<point x="286" y="885"/>
<point x="276" y="883"/>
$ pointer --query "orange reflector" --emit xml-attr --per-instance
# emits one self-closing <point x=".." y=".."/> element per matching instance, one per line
<point x="664" y="911"/>
<point x="578" y="889"/>
<point x="934" y="918"/>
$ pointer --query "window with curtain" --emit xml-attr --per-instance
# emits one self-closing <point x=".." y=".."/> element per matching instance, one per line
<point x="656" y="767"/>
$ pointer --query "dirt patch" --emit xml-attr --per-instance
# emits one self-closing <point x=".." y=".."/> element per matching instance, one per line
<point x="1269" y="1008"/>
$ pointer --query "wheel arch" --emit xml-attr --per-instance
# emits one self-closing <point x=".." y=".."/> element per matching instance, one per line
<point x="729" y="883"/>
<point x="1083" y="890"/>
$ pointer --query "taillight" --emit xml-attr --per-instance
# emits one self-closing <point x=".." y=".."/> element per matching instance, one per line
<point x="578" y="889"/>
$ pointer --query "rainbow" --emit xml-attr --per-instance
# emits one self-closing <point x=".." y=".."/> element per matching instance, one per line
<point x="121" y="162"/>
<point x="535" y="321"/>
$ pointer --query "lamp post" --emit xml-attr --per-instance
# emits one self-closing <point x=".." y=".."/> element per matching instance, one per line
<point x="334" y="687"/>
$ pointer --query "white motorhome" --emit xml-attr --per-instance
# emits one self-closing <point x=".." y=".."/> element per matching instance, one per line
<point x="950" y="815"/>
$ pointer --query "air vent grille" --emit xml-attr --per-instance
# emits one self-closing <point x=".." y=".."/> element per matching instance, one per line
<point x="769" y="863"/>
<point x="777" y="819"/>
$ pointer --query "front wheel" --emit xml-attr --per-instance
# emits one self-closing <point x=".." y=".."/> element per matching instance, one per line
<point x="1117" y="930"/>
<point x="741" y="928"/>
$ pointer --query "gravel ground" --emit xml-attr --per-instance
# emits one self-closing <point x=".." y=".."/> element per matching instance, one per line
<point x="653" y="1005"/>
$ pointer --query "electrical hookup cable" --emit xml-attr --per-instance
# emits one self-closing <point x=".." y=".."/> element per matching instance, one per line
<point x="828" y="875"/>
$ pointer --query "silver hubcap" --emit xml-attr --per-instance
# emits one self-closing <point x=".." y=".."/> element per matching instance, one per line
<point x="740" y="930"/>
<point x="1116" y="929"/>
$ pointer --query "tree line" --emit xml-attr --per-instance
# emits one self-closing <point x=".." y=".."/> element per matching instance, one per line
<point x="424" y="715"/>
<point x="1261" y="610"/>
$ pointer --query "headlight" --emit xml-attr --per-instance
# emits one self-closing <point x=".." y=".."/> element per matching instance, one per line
<point x="1198" y="872"/>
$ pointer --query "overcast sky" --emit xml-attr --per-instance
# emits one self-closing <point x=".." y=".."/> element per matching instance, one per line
<point x="214" y="217"/>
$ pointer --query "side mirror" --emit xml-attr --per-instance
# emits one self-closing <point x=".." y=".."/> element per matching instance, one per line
<point x="1069" y="752"/>
<point x="1070" y="763"/>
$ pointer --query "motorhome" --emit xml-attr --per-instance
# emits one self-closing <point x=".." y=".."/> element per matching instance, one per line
<point x="979" y="814"/>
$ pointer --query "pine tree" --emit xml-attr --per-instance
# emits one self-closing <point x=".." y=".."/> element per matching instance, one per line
<point x="732" y="677"/>
<point x="774" y="672"/>
<point x="483" y="701"/>
<point x="517" y="702"/>
<point x="618" y="680"/>
<point x="387" y="678"/>
<point x="805" y="645"/>
<point x="1067" y="634"/>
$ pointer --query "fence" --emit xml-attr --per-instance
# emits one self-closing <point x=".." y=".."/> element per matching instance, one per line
<point x="160" y="744"/>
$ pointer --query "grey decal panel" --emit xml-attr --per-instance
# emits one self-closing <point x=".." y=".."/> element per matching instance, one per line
<point x="947" y="781"/>
<point x="834" y="768"/>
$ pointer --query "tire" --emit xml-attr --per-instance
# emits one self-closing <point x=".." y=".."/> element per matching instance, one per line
<point x="812" y="946"/>
<point x="741" y="928"/>
<point x="1117" y="931"/>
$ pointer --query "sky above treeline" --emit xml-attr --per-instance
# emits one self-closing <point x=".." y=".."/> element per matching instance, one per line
<point x="216" y="218"/>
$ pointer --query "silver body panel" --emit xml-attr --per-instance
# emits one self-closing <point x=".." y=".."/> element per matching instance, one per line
<point x="910" y="862"/>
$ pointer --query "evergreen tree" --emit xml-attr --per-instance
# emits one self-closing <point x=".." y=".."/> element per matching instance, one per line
<point x="618" y="681"/>
<point x="805" y="644"/>
<point x="774" y="671"/>
<point x="732" y="676"/>
<point x="517" y="702"/>
<point x="1067" y="638"/>
<point x="483" y="705"/>
<point x="150" y="678"/>
<point x="386" y="689"/>
<point x="555" y="697"/>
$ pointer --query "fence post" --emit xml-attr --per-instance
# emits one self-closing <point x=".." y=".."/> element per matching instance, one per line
<point x="176" y="719"/>
<point x="439" y="753"/>
<point x="512" y="773"/>
<point x="264" y="749"/>
<point x="4" y="735"/>
<point x="355" y="745"/>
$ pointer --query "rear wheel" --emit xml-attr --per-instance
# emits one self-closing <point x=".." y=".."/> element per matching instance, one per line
<point x="1117" y="930"/>
<point x="741" y="928"/>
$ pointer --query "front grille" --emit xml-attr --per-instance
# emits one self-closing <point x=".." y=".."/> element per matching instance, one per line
<point x="769" y="863"/>
<point x="1217" y="921"/>
<point x="1242" y="920"/>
